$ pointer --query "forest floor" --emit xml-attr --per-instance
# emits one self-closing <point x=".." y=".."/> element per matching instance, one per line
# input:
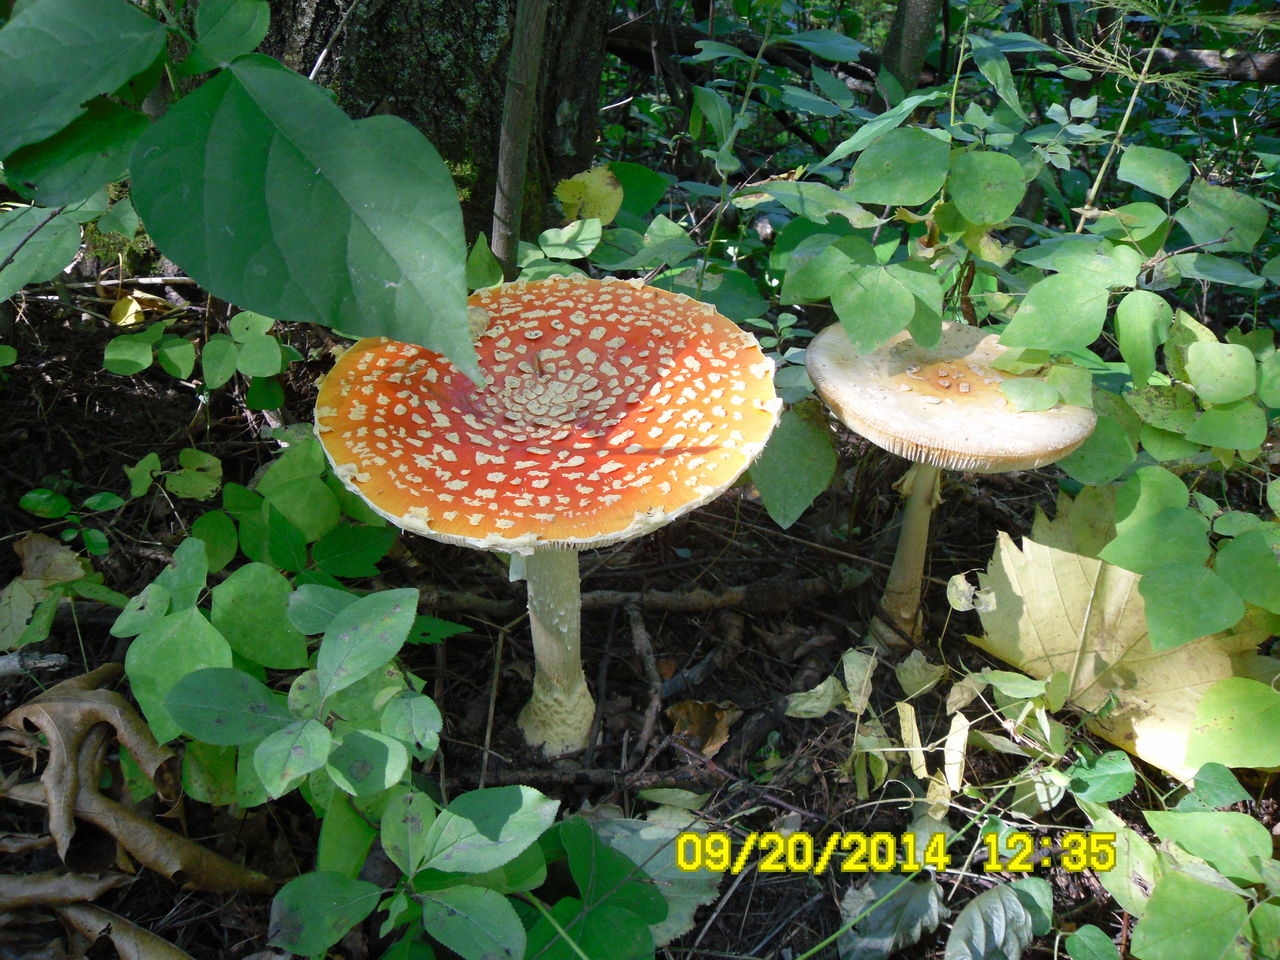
<point x="806" y="596"/>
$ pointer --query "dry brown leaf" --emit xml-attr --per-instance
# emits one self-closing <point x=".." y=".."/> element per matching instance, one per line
<point x="171" y="854"/>
<point x="23" y="842"/>
<point x="1058" y="607"/>
<point x="53" y="888"/>
<point x="66" y="714"/>
<point x="130" y="940"/>
<point x="45" y="563"/>
<point x="702" y="726"/>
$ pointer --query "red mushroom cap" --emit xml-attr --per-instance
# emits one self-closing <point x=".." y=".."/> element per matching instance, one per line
<point x="610" y="408"/>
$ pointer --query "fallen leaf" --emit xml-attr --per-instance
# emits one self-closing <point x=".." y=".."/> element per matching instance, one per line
<point x="916" y="675"/>
<point x="702" y="726"/>
<point x="1058" y="607"/>
<point x="130" y="940"/>
<point x="45" y="563"/>
<point x="54" y="887"/>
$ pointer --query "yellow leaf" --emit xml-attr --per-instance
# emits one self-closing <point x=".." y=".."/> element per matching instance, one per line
<point x="127" y="312"/>
<point x="45" y="563"/>
<point x="594" y="193"/>
<point x="911" y="739"/>
<point x="1058" y="607"/>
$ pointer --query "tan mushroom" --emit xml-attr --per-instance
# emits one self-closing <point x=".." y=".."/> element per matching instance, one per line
<point x="610" y="409"/>
<point x="941" y="408"/>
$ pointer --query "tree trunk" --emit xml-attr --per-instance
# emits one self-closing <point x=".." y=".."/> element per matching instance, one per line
<point x="914" y="22"/>
<point x="442" y="66"/>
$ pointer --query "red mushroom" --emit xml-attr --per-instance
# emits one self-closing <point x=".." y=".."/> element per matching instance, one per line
<point x="610" y="409"/>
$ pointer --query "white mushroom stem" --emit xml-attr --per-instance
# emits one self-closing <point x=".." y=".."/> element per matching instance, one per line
<point x="559" y="712"/>
<point x="901" y="600"/>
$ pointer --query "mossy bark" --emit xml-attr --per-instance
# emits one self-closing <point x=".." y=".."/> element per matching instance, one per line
<point x="442" y="66"/>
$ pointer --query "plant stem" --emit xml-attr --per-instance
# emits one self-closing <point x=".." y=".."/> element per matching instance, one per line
<point x="559" y="712"/>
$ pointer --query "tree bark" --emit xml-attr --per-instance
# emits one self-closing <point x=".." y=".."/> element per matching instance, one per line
<point x="442" y="66"/>
<point x="914" y="22"/>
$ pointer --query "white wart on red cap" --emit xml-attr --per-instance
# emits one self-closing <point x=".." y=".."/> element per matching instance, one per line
<point x="941" y="405"/>
<point x="610" y="409"/>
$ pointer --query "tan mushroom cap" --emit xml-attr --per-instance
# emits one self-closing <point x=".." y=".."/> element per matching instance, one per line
<point x="941" y="405"/>
<point x="610" y="409"/>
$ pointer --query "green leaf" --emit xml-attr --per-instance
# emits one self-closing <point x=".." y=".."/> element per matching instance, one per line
<point x="249" y="608"/>
<point x="209" y="773"/>
<point x="1241" y="425"/>
<point x="1104" y="455"/>
<point x="364" y="763"/>
<point x="313" y="606"/>
<point x="874" y="129"/>
<point x="893" y="915"/>
<point x="1172" y="621"/>
<point x="264" y="393"/>
<point x="364" y="636"/>
<point x="604" y="875"/>
<point x="822" y="264"/>
<point x="43" y="254"/>
<point x="1156" y="171"/>
<point x="1248" y="564"/>
<point x="128" y="354"/>
<point x="805" y="101"/>
<point x="1142" y="324"/>
<point x="141" y="611"/>
<point x="986" y="186"/>
<point x="90" y="153"/>
<point x="717" y="110"/>
<point x="796" y="465"/>
<point x="872" y="306"/>
<point x="604" y="931"/>
<point x="218" y="360"/>
<point x="312" y="912"/>
<point x="225" y="707"/>
<point x="45" y="503"/>
<point x="307" y="504"/>
<point x="289" y="754"/>
<point x="1029" y="393"/>
<point x="1090" y="943"/>
<point x="224" y="30"/>
<point x="286" y="547"/>
<point x="413" y="719"/>
<point x="165" y="652"/>
<point x="219" y="535"/>
<point x="308" y="216"/>
<point x="185" y="577"/>
<point x="352" y="551"/>
<point x="1107" y="263"/>
<point x="906" y="166"/>
<point x="59" y="54"/>
<point x="1063" y="311"/>
<point x="1205" y="266"/>
<point x="259" y="356"/>
<point x="1104" y="778"/>
<point x="176" y="356"/>
<point x="641" y="187"/>
<point x="486" y="828"/>
<point x="120" y="219"/>
<point x="827" y="44"/>
<point x="483" y="268"/>
<point x="1145" y="494"/>
<point x="1215" y="787"/>
<point x="1222" y="218"/>
<point x="404" y="829"/>
<point x="1227" y="841"/>
<point x="572" y="242"/>
<point x="199" y="478"/>
<point x="1221" y="372"/>
<point x="993" y="923"/>
<point x="1174" y="535"/>
<point x="1186" y="917"/>
<point x="1237" y="724"/>
<point x="345" y="836"/>
<point x="475" y="923"/>
<point x="991" y="61"/>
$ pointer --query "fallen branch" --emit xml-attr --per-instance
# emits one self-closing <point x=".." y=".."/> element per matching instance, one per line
<point x="26" y="660"/>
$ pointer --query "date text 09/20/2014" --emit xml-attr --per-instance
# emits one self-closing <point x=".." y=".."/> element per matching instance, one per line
<point x="799" y="852"/>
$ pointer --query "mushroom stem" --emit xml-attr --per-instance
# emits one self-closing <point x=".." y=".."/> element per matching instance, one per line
<point x="559" y="712"/>
<point x="901" y="600"/>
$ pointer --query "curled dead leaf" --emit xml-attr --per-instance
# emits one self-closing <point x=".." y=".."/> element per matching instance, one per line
<point x="131" y="941"/>
<point x="702" y="726"/>
<point x="54" y="888"/>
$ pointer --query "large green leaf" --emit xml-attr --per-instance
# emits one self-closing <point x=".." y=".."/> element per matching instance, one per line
<point x="486" y="828"/>
<point x="796" y="465"/>
<point x="164" y="653"/>
<point x="225" y="707"/>
<point x="475" y="923"/>
<point x="1063" y="311"/>
<point x="1160" y="172"/>
<point x="905" y="166"/>
<point x="273" y="199"/>
<point x="996" y="923"/>
<point x="43" y="254"/>
<point x="73" y="163"/>
<point x="312" y="912"/>
<point x="1186" y="917"/>
<point x="59" y="53"/>
<point x="363" y="636"/>
<point x="891" y="912"/>
<point x="1222" y="218"/>
<point x="250" y="609"/>
<point x="1237" y="724"/>
<point x="986" y="186"/>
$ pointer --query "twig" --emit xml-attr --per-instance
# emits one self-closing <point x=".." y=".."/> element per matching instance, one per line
<point x="644" y="648"/>
<point x="24" y="661"/>
<point x="332" y="40"/>
<point x="763" y="794"/>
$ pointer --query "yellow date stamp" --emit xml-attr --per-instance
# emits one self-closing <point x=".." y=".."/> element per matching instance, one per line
<point x="881" y="852"/>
